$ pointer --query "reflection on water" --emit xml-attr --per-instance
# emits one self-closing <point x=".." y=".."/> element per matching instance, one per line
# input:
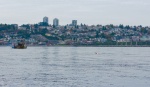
<point x="75" y="67"/>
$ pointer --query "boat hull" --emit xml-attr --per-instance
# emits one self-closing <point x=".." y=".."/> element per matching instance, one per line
<point x="17" y="47"/>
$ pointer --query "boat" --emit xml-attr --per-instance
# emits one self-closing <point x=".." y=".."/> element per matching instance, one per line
<point x="19" y="45"/>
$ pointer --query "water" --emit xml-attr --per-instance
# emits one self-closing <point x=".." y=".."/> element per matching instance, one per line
<point x="75" y="67"/>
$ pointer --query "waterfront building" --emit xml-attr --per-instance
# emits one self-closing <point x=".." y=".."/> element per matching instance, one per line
<point x="45" y="19"/>
<point x="56" y="22"/>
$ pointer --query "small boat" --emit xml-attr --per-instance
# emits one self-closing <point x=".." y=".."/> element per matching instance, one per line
<point x="19" y="45"/>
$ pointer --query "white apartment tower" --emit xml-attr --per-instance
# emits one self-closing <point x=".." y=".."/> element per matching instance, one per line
<point x="45" y="19"/>
<point x="56" y="22"/>
<point x="74" y="22"/>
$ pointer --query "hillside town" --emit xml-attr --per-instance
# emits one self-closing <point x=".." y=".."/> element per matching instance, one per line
<point x="74" y="34"/>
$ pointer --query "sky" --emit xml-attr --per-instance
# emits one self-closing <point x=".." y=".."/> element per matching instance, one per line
<point x="127" y="12"/>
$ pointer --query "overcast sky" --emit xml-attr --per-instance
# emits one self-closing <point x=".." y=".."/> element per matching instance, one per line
<point x="127" y="12"/>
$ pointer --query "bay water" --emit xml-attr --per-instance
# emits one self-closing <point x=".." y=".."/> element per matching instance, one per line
<point x="75" y="67"/>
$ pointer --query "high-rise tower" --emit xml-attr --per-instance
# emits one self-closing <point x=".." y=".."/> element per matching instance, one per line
<point x="74" y="22"/>
<point x="45" y="19"/>
<point x="56" y="22"/>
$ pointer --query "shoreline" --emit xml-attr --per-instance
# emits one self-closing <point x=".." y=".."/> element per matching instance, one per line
<point x="83" y="46"/>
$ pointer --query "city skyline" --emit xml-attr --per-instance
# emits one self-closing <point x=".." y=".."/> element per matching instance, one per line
<point x="129" y="12"/>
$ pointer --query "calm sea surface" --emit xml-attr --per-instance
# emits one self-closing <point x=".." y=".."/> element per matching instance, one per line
<point x="75" y="67"/>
